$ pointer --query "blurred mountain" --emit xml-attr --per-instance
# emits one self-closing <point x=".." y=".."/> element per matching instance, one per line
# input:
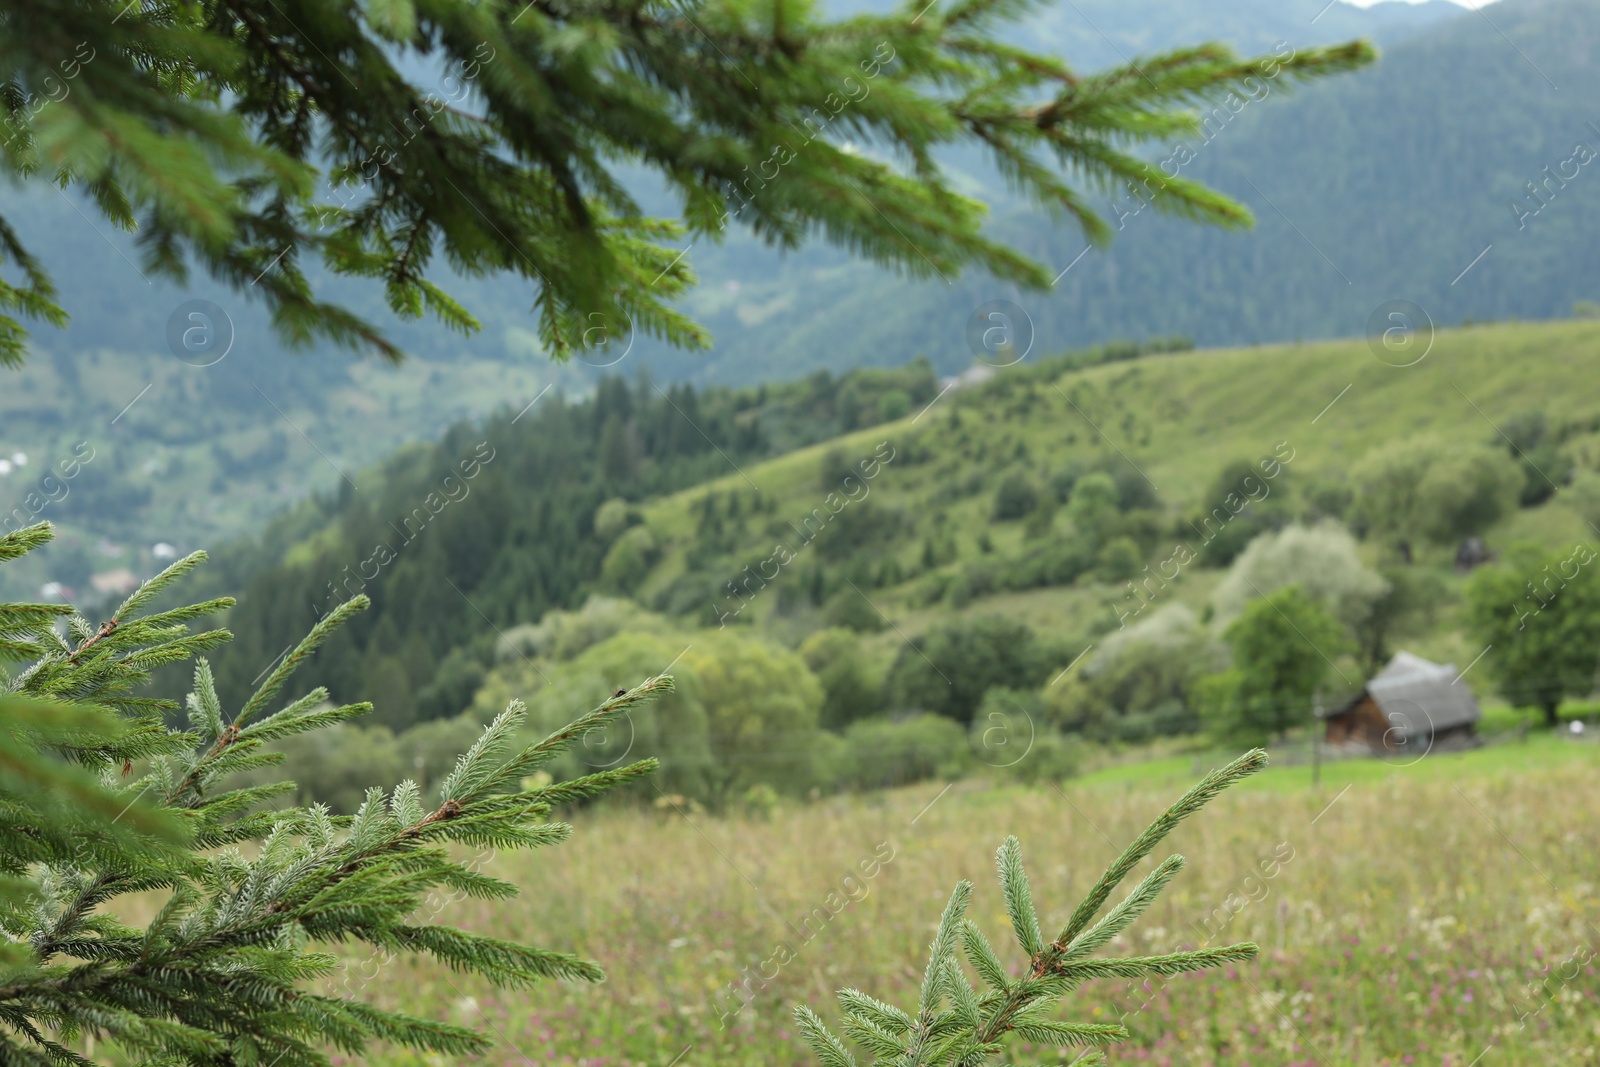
<point x="750" y="294"/>
<point x="1385" y="185"/>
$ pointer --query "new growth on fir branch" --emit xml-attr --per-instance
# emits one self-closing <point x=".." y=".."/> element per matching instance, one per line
<point x="100" y="797"/>
<point x="956" y="1024"/>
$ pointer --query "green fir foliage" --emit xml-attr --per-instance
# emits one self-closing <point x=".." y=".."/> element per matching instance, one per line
<point x="266" y="144"/>
<point x="957" y="1024"/>
<point x="103" y="796"/>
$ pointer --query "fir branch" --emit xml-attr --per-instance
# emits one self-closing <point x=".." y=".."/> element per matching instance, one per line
<point x="1019" y="897"/>
<point x="960" y="1026"/>
<point x="19" y="543"/>
<point x="280" y="674"/>
<point x="219" y="128"/>
<point x="218" y="975"/>
<point x="1191" y="802"/>
<point x="1144" y="966"/>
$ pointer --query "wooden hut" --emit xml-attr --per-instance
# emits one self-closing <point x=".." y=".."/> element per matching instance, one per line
<point x="1411" y="706"/>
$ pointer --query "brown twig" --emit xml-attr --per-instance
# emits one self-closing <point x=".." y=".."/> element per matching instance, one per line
<point x="107" y="628"/>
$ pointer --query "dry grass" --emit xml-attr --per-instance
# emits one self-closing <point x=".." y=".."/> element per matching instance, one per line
<point x="1413" y="922"/>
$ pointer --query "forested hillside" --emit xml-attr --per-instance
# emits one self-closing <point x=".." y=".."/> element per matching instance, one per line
<point x="183" y="455"/>
<point x="874" y="540"/>
<point x="495" y="524"/>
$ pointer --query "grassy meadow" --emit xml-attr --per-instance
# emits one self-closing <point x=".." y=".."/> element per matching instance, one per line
<point x="1441" y="913"/>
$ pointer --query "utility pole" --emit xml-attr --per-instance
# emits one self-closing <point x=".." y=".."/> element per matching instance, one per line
<point x="1316" y="741"/>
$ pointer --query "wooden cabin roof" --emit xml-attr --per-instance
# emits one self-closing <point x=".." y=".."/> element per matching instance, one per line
<point x="1419" y="697"/>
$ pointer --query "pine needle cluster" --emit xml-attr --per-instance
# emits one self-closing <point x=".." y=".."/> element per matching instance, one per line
<point x="957" y="1024"/>
<point x="406" y="142"/>
<point x="102" y="796"/>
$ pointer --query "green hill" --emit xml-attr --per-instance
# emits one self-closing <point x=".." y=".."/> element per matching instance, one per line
<point x="748" y="516"/>
<point x="1179" y="419"/>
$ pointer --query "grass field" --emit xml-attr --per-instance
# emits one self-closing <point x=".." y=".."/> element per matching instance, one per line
<point x="1442" y="913"/>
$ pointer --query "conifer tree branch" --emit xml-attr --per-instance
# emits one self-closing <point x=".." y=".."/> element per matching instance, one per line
<point x="960" y="1026"/>
<point x="220" y="974"/>
<point x="236" y="136"/>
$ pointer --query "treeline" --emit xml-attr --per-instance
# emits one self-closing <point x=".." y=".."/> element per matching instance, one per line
<point x="494" y="525"/>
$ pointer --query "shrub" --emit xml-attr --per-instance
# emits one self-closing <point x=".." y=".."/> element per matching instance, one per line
<point x="1139" y="682"/>
<point x="1012" y="739"/>
<point x="1544" y="466"/>
<point x="561" y="635"/>
<point x="1063" y="480"/>
<point x="1423" y="489"/>
<point x="861" y="527"/>
<point x="835" y="468"/>
<point x="880" y="753"/>
<point x="1322" y="560"/>
<point x="1583" y="496"/>
<point x="976" y="579"/>
<point x="612" y="517"/>
<point x="1093" y="505"/>
<point x="628" y="562"/>
<point x="1134" y="491"/>
<point x="849" y="690"/>
<point x="450" y="691"/>
<point x="761" y="704"/>
<point x="1042" y="521"/>
<point x="948" y="669"/>
<point x="1119" y="559"/>
<point x="849" y="609"/>
<point x="1242" y="503"/>
<point x="1054" y="757"/>
<point x="675" y="728"/>
<point x="1329" y="499"/>
<point x="1059" y="561"/>
<point x="1016" y="497"/>
<point x="892" y="405"/>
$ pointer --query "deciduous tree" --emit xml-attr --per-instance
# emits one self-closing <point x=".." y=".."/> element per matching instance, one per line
<point x="1538" y="615"/>
<point x="1284" y="646"/>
